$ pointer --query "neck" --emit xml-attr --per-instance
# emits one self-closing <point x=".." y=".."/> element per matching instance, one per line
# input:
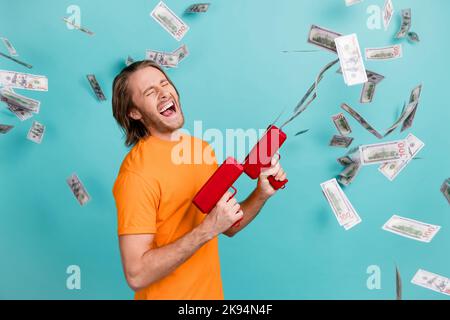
<point x="167" y="136"/>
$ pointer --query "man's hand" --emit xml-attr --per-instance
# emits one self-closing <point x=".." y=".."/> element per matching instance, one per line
<point x="224" y="215"/>
<point x="264" y="188"/>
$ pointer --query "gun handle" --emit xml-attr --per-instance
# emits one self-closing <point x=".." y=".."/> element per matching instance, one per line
<point x="277" y="185"/>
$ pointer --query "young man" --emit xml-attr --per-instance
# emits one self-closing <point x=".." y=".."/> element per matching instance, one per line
<point x="169" y="248"/>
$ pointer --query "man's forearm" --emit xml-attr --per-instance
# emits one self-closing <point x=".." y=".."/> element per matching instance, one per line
<point x="251" y="207"/>
<point x="160" y="262"/>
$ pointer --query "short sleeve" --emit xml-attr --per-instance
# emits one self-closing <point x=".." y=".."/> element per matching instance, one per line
<point x="137" y="202"/>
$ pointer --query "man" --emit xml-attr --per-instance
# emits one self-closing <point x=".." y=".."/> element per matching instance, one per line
<point x="169" y="248"/>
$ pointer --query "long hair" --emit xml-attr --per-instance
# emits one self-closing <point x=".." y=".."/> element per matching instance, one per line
<point x="134" y="130"/>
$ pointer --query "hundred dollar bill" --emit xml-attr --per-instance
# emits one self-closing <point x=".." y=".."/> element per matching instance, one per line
<point x="407" y="110"/>
<point x="29" y="66"/>
<point x="12" y="51"/>
<point x="341" y="141"/>
<point x="384" y="152"/>
<point x="445" y="189"/>
<point x="342" y="124"/>
<point x="96" y="87"/>
<point x="349" y="174"/>
<point x="169" y="21"/>
<point x="198" y="7"/>
<point x="385" y="53"/>
<point x="164" y="59"/>
<point x="368" y="92"/>
<point x="361" y="120"/>
<point x="18" y="100"/>
<point x="5" y="128"/>
<point x="78" y="189"/>
<point x="301" y="132"/>
<point x="36" y="132"/>
<point x="23" y="80"/>
<point x="406" y="24"/>
<point x="78" y="27"/>
<point x="392" y="169"/>
<point x="323" y="38"/>
<point x="20" y="113"/>
<point x="341" y="206"/>
<point x="415" y="97"/>
<point x="181" y="53"/>
<point x="350" y="57"/>
<point x="411" y="229"/>
<point x="432" y="281"/>
<point x="413" y="36"/>
<point x="388" y="12"/>
<point x="129" y="61"/>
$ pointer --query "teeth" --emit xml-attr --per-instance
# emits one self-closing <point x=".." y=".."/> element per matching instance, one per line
<point x="170" y="104"/>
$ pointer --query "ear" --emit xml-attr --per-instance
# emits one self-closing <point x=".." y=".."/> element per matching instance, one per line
<point x="135" y="114"/>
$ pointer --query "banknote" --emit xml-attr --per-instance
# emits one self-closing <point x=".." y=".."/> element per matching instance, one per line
<point x="301" y="132"/>
<point x="27" y="81"/>
<point x="367" y="92"/>
<point x="323" y="38"/>
<point x="349" y="174"/>
<point x="169" y="21"/>
<point x="198" y="7"/>
<point x="351" y="60"/>
<point x="411" y="229"/>
<point x="341" y="141"/>
<point x="413" y="36"/>
<point x="406" y="112"/>
<point x="361" y="120"/>
<point x="388" y="12"/>
<point x="36" y="132"/>
<point x="10" y="97"/>
<point x="164" y="59"/>
<point x="345" y="160"/>
<point x="181" y="53"/>
<point x="129" y="61"/>
<point x="12" y="51"/>
<point x="385" y="53"/>
<point x="20" y="113"/>
<point x="29" y="66"/>
<point x="78" y="27"/>
<point x="96" y="87"/>
<point x="5" y="128"/>
<point x="341" y="123"/>
<point x="432" y="281"/>
<point x="78" y="189"/>
<point x="415" y="97"/>
<point x="341" y="206"/>
<point x="406" y="24"/>
<point x="384" y="152"/>
<point x="392" y="169"/>
<point x="445" y="189"/>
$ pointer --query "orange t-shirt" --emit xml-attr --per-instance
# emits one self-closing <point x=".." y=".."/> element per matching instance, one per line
<point x="153" y="194"/>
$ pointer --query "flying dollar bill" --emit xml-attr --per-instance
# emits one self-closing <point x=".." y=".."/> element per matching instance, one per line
<point x="385" y="53"/>
<point x="198" y="7"/>
<point x="78" y="189"/>
<point x="323" y="38"/>
<point x="169" y="21"/>
<point x="129" y="60"/>
<point x="384" y="152"/>
<point x="19" y="112"/>
<point x="367" y="92"/>
<point x="388" y="12"/>
<point x="96" y="87"/>
<point x="10" y="97"/>
<point x="29" y="66"/>
<point x="341" y="141"/>
<point x="78" y="27"/>
<point x="5" y="128"/>
<point x="36" y="132"/>
<point x="407" y="110"/>
<point x="164" y="59"/>
<point x="351" y="60"/>
<point x="341" y="206"/>
<point x="12" y="51"/>
<point x="341" y="123"/>
<point x="349" y="174"/>
<point x="406" y="24"/>
<point x="432" y="281"/>
<point x="411" y="229"/>
<point x="445" y="189"/>
<point x="361" y="120"/>
<point x="392" y="169"/>
<point x="415" y="97"/>
<point x="181" y="53"/>
<point x="23" y="80"/>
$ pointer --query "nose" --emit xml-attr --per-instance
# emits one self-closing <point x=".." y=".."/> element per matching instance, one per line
<point x="164" y="94"/>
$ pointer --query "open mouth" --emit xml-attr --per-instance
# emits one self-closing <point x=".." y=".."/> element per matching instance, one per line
<point x="168" y="109"/>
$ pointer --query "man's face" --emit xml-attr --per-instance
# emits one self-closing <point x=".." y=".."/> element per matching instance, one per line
<point x="157" y="103"/>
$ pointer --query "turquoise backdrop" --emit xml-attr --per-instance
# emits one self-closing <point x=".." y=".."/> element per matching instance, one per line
<point x="235" y="77"/>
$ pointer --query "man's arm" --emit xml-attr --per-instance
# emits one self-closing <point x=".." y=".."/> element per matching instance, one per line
<point x="144" y="266"/>
<point x="256" y="200"/>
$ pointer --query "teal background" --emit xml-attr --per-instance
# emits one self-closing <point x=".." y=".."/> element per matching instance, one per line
<point x="235" y="77"/>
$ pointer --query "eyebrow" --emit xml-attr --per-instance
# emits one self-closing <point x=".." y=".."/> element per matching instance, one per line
<point x="152" y="87"/>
